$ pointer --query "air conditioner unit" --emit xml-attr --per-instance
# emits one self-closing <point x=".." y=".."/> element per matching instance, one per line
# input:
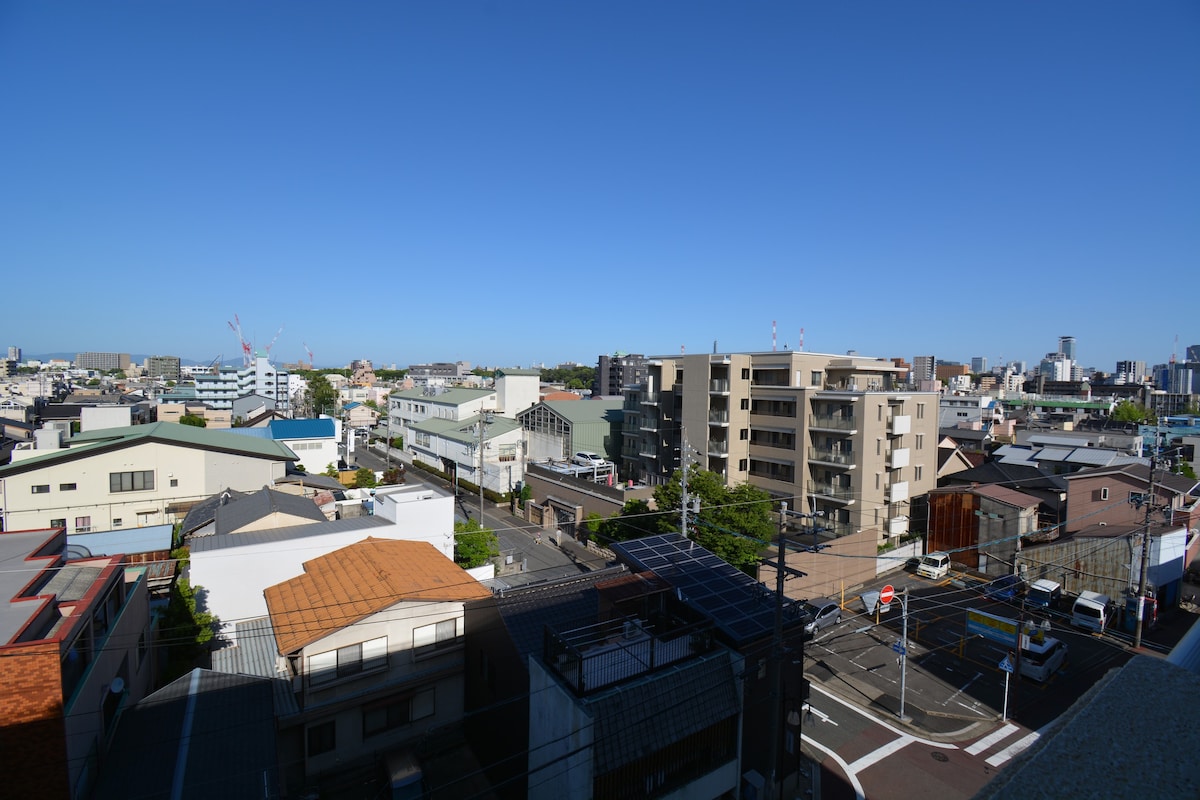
<point x="633" y="629"/>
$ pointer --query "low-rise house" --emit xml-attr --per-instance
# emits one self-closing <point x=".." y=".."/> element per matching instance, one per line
<point x="981" y="525"/>
<point x="132" y="477"/>
<point x="75" y="648"/>
<point x="314" y="441"/>
<point x="360" y="415"/>
<point x="371" y="637"/>
<point x="148" y="547"/>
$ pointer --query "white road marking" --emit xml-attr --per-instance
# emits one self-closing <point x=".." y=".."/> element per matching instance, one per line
<point x="1014" y="749"/>
<point x="819" y="715"/>
<point x="881" y="723"/>
<point x="855" y="783"/>
<point x="991" y="739"/>
<point x="881" y="753"/>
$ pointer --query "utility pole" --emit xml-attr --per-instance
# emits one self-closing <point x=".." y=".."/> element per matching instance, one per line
<point x="903" y="651"/>
<point x="1141" y="598"/>
<point x="683" y="465"/>
<point x="485" y="419"/>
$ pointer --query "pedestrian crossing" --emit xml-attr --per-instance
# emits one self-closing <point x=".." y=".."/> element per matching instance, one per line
<point x="997" y="737"/>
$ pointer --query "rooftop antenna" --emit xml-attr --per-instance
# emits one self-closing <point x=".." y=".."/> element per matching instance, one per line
<point x="802" y="340"/>
<point x="1175" y="349"/>
<point x="682" y="349"/>
<point x="714" y="347"/>
<point x="773" y="348"/>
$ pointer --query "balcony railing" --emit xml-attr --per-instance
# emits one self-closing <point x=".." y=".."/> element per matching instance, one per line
<point x="831" y="456"/>
<point x="719" y="385"/>
<point x="833" y="421"/>
<point x="602" y="655"/>
<point x="719" y="417"/>
<point x="650" y="398"/>
<point x="719" y="448"/>
<point x="845" y="493"/>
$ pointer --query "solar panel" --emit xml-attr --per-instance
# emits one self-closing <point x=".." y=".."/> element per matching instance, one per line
<point x="736" y="603"/>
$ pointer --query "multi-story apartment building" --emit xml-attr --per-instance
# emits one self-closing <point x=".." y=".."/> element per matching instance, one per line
<point x="219" y="389"/>
<point x="923" y="368"/>
<point x="102" y="361"/>
<point x="615" y="372"/>
<point x="165" y="367"/>
<point x="827" y="433"/>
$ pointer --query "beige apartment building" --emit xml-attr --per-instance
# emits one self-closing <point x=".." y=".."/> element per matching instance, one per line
<point x="828" y="433"/>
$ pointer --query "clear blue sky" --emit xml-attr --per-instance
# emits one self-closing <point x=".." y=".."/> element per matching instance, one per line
<point x="511" y="183"/>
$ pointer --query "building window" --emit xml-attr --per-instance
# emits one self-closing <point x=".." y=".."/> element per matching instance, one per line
<point x="131" y="481"/>
<point x="321" y="738"/>
<point x="83" y="524"/>
<point x="40" y="488"/>
<point x="744" y="434"/>
<point x="66" y="487"/>
<point x="745" y="404"/>
<point x="814" y="379"/>
<point x="333" y="665"/>
<point x="917" y="472"/>
<point x="428" y="639"/>
<point x="745" y="373"/>
<point x="920" y="440"/>
<point x="174" y="482"/>
<point x="396" y="712"/>
<point x="743" y="464"/>
<point x="58" y="523"/>
<point x="117" y="522"/>
<point x="1104" y="493"/>
<point x="920" y="411"/>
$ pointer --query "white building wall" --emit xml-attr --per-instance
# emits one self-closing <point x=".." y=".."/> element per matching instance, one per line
<point x="515" y="393"/>
<point x="561" y="740"/>
<point x="94" y="418"/>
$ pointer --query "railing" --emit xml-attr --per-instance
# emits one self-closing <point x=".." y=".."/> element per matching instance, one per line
<point x="718" y="385"/>
<point x="602" y="655"/>
<point x="650" y="398"/>
<point x="718" y="416"/>
<point x="718" y="447"/>
<point x="830" y="456"/>
<point x="830" y="490"/>
<point x="834" y="421"/>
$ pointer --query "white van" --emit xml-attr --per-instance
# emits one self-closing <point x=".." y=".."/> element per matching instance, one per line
<point x="405" y="777"/>
<point x="1042" y="659"/>
<point x="1044" y="594"/>
<point x="1091" y="611"/>
<point x="934" y="565"/>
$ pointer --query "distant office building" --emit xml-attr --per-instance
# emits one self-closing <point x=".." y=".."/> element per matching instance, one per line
<point x="924" y="367"/>
<point x="1055" y="367"/>
<point x="945" y="370"/>
<point x="440" y="369"/>
<point x="1193" y="352"/>
<point x="979" y="364"/>
<point x="1066" y="346"/>
<point x="102" y="361"/>
<point x="1018" y="367"/>
<point x="14" y="353"/>
<point x="1130" y="371"/>
<point x="165" y="367"/>
<point x="615" y="372"/>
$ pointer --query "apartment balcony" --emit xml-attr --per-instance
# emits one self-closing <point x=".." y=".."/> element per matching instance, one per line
<point x="825" y="529"/>
<point x="833" y="422"/>
<point x="828" y="491"/>
<point x="836" y="458"/>
<point x="898" y="457"/>
<point x="899" y="425"/>
<point x="650" y="398"/>
<point x="896" y="492"/>
<point x="648" y="424"/>
<point x="718" y="386"/>
<point x="718" y="417"/>
<point x="718" y="448"/>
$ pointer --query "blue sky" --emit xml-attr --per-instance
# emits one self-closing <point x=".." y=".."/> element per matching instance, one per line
<point x="512" y="183"/>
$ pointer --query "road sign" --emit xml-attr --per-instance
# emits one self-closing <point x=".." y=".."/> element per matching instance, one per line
<point x="899" y="648"/>
<point x="886" y="594"/>
<point x="1006" y="665"/>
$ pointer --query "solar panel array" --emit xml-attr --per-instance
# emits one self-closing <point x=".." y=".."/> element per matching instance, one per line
<point x="738" y="605"/>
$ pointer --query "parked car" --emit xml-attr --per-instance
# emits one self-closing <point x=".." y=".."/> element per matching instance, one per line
<point x="1044" y="593"/>
<point x="589" y="459"/>
<point x="820" y="613"/>
<point x="1042" y="659"/>
<point x="934" y="565"/>
<point x="1006" y="587"/>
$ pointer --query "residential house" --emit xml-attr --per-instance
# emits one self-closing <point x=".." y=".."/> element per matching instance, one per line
<point x="75" y="648"/>
<point x="383" y="670"/>
<point x="360" y="415"/>
<point x="149" y="548"/>
<point x="263" y="510"/>
<point x="234" y="568"/>
<point x="316" y="442"/>
<point x="453" y="446"/>
<point x="135" y="476"/>
<point x="1118" y="495"/>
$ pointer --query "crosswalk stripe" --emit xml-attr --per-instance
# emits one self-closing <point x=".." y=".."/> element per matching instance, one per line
<point x="1016" y="748"/>
<point x="990" y="739"/>
<point x="880" y="753"/>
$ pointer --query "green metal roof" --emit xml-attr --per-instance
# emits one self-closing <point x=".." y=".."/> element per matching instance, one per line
<point x="451" y="397"/>
<point x="581" y="411"/>
<point x="537" y="373"/>
<point x="105" y="439"/>
<point x="1094" y="404"/>
<point x="462" y="430"/>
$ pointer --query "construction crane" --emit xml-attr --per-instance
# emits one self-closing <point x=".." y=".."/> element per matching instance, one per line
<point x="246" y="349"/>
<point x="215" y="366"/>
<point x="272" y="344"/>
<point x="310" y="355"/>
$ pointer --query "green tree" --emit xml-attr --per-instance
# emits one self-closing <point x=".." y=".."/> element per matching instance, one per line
<point x="186" y="631"/>
<point x="1128" y="411"/>
<point x="364" y="478"/>
<point x="393" y="476"/>
<point x="330" y="470"/>
<point x="193" y="420"/>
<point x="474" y="545"/>
<point x="321" y="397"/>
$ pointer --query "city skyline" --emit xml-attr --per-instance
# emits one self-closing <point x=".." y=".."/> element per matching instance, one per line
<point x="481" y="183"/>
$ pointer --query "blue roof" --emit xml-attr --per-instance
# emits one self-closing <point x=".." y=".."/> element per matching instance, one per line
<point x="349" y="406"/>
<point x="124" y="540"/>
<point x="302" y="429"/>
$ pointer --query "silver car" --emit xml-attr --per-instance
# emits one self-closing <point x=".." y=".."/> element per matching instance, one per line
<point x="820" y="613"/>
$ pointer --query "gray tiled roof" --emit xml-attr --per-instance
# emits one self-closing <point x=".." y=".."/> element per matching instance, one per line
<point x="238" y="514"/>
<point x="255" y="654"/>
<point x="201" y="544"/>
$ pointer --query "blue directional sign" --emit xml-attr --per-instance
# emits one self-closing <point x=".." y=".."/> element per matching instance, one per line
<point x="899" y="648"/>
<point x="1006" y="665"/>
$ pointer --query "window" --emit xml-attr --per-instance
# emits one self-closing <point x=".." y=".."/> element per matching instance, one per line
<point x="815" y="379"/>
<point x="66" y="487"/>
<point x="131" y="481"/>
<point x="743" y="464"/>
<point x="920" y="411"/>
<point x="745" y="404"/>
<point x="40" y="488"/>
<point x="430" y="638"/>
<point x="745" y="373"/>
<point x="174" y="482"/>
<point x="321" y="738"/>
<point x="920" y="440"/>
<point x="917" y="472"/>
<point x="744" y="434"/>
<point x="58" y="523"/>
<point x="1104" y="493"/>
<point x="396" y="712"/>
<point x="330" y="666"/>
<point x="117" y="522"/>
<point x="83" y="524"/>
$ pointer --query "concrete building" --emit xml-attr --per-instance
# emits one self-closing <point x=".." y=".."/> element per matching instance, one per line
<point x="827" y="433"/>
<point x="101" y="361"/>
<point x="923" y="368"/>
<point x="14" y="353"/>
<point x="1066" y="346"/>
<point x="979" y="364"/>
<point x="219" y="389"/>
<point x="615" y="372"/>
<point x="75" y="648"/>
<point x="164" y="367"/>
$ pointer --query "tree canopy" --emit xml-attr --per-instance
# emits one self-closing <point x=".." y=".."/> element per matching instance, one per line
<point x="322" y="398"/>
<point x="733" y="523"/>
<point x="474" y="545"/>
<point x="193" y="420"/>
<point x="576" y="377"/>
<point x="1128" y="411"/>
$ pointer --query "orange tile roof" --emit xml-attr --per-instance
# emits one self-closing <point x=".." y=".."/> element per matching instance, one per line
<point x="347" y="585"/>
